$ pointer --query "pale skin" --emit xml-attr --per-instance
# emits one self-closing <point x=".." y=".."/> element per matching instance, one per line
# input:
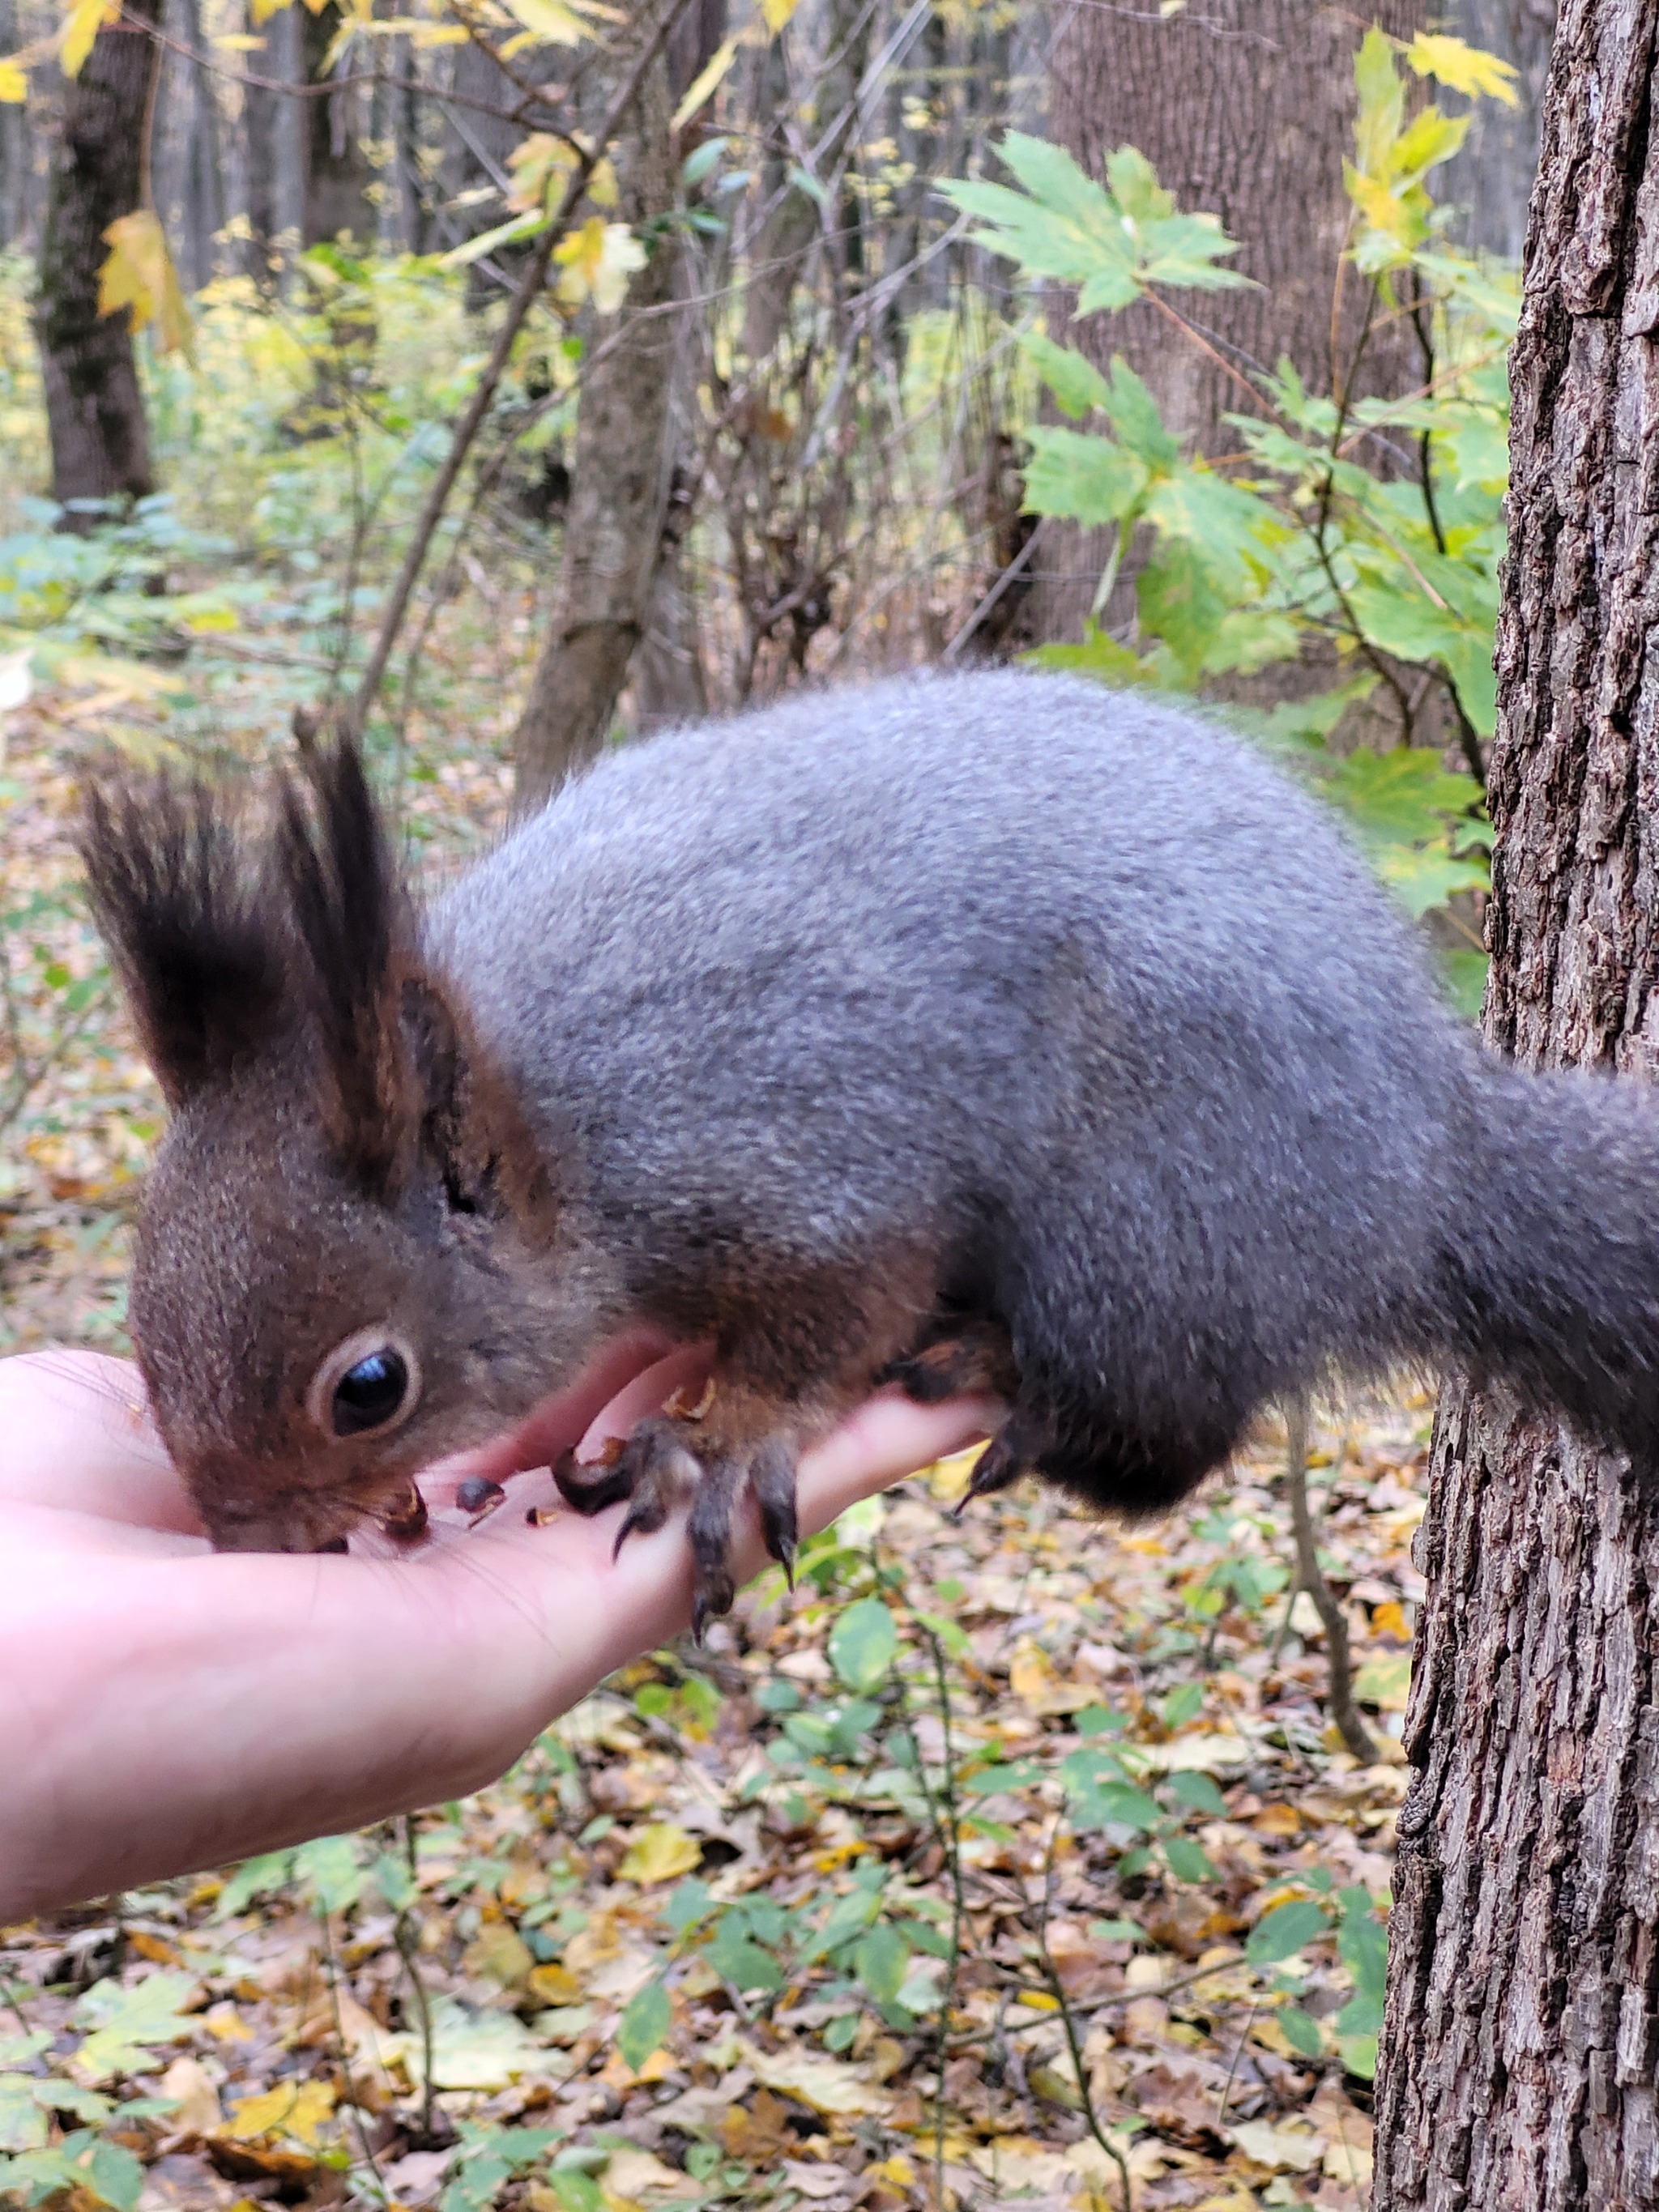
<point x="165" y="1708"/>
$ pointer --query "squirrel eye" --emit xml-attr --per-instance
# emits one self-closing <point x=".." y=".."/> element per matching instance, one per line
<point x="368" y="1394"/>
<point x="367" y="1383"/>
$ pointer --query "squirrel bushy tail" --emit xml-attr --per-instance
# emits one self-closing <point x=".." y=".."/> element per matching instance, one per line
<point x="1551" y="1282"/>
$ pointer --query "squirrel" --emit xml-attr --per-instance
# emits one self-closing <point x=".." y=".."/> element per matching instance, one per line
<point x="988" y="1032"/>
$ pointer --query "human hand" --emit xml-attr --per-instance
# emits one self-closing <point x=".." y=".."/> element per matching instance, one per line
<point x="165" y="1708"/>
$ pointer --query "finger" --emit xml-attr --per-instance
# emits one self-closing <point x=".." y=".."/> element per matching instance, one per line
<point x="78" y="1436"/>
<point x="572" y="1612"/>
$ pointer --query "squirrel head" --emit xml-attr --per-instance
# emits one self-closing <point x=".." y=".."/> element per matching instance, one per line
<point x="347" y="1259"/>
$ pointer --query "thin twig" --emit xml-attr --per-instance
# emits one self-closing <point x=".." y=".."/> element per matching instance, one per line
<point x="1057" y="1989"/>
<point x="952" y="1842"/>
<point x="406" y="1935"/>
<point x="1344" y="1711"/>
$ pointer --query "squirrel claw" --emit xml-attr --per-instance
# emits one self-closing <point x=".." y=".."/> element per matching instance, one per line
<point x="1010" y="1453"/>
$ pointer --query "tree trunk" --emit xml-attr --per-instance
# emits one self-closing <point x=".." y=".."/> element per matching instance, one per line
<point x="1245" y="108"/>
<point x="17" y="141"/>
<point x="94" y="409"/>
<point x="338" y="174"/>
<point x="619" y="482"/>
<point x="1491" y="178"/>
<point x="1518" y="2059"/>
<point x="185" y="146"/>
<point x="273" y="147"/>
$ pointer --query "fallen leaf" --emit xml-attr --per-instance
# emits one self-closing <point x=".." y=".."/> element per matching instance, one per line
<point x="813" y="2182"/>
<point x="197" y="2094"/>
<point x="635" y="2172"/>
<point x="1283" y="2150"/>
<point x="297" y="2109"/>
<point x="828" y="2085"/>
<point x="500" y="1955"/>
<point x="659" y="1853"/>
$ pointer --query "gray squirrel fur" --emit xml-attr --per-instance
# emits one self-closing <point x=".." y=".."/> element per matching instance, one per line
<point x="991" y="1030"/>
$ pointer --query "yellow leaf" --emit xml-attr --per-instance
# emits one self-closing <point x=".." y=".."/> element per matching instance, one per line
<point x="295" y="2109"/>
<point x="658" y="1853"/>
<point x="1389" y="1619"/>
<point x="777" y="13"/>
<point x="1031" y="1673"/>
<point x="139" y="274"/>
<point x="554" y="1986"/>
<point x="948" y="1478"/>
<point x="500" y="1953"/>
<point x="86" y="19"/>
<point x="1463" y="68"/>
<point x="540" y="164"/>
<point x="14" y="85"/>
<point x="598" y="261"/>
<point x="702" y="87"/>
<point x="551" y="21"/>
<point x="1384" y="210"/>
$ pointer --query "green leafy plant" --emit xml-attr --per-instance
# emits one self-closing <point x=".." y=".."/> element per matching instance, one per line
<point x="1306" y="535"/>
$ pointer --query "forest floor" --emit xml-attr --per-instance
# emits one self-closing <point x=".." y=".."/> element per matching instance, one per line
<point x="1006" y="1860"/>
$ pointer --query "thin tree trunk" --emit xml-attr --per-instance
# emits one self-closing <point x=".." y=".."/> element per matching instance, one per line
<point x="94" y="408"/>
<point x="337" y="170"/>
<point x="618" y="484"/>
<point x="1518" y="2058"/>
<point x="14" y="140"/>
<point x="272" y="144"/>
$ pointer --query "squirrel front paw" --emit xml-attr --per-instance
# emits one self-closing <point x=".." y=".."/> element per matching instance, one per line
<point x="670" y="1458"/>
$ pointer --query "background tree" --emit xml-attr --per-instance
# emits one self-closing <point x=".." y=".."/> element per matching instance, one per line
<point x="619" y="478"/>
<point x="1522" y="2033"/>
<point x="1245" y="109"/>
<point x="1492" y="177"/>
<point x="99" y="174"/>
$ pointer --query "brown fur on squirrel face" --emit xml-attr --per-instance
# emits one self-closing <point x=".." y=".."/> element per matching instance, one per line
<point x="994" y="1031"/>
<point x="340" y="1149"/>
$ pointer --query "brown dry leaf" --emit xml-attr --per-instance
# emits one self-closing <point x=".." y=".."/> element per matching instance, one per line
<point x="759" y="2131"/>
<point x="1182" y="2096"/>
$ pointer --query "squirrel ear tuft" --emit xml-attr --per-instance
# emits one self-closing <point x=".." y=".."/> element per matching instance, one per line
<point x="354" y="935"/>
<point x="192" y="932"/>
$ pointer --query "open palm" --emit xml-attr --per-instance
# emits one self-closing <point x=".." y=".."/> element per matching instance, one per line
<point x="164" y="1707"/>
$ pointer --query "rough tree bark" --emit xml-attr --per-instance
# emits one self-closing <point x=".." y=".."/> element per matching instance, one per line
<point x="619" y="482"/>
<point x="94" y="409"/>
<point x="1522" y="2029"/>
